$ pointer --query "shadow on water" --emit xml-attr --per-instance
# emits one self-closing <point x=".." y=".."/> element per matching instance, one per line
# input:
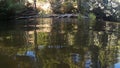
<point x="7" y="25"/>
<point x="59" y="43"/>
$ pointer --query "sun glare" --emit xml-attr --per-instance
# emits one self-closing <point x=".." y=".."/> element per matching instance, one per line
<point x="30" y="1"/>
<point x="118" y="1"/>
<point x="46" y="6"/>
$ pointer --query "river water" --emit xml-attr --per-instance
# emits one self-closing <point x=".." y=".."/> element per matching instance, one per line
<point x="59" y="43"/>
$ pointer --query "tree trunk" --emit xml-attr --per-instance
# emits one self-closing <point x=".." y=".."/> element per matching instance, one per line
<point x="79" y="5"/>
<point x="35" y="4"/>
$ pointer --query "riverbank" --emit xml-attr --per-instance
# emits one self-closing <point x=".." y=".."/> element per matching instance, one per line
<point x="51" y="16"/>
<point x="31" y="13"/>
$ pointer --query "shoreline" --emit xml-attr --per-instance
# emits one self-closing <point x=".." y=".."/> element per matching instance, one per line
<point x="59" y="16"/>
<point x="51" y="16"/>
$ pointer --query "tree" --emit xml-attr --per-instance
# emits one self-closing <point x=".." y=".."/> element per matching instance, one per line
<point x="104" y="9"/>
<point x="9" y="8"/>
<point x="110" y="8"/>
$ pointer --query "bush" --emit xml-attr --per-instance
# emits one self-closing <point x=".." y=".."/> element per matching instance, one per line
<point x="8" y="8"/>
<point x="56" y="7"/>
<point x="92" y="19"/>
<point x="80" y="18"/>
<point x="67" y="7"/>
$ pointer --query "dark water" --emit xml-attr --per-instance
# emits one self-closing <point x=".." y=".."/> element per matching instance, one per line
<point x="59" y="43"/>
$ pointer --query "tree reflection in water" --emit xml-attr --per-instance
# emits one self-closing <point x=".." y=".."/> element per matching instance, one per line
<point x="60" y="43"/>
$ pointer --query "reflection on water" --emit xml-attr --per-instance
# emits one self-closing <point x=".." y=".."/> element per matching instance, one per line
<point x="59" y="43"/>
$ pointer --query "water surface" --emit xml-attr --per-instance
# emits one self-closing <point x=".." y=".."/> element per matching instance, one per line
<point x="59" y="43"/>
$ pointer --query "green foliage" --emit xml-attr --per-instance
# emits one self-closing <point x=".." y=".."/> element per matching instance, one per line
<point x="8" y="8"/>
<point x="55" y="6"/>
<point x="92" y="19"/>
<point x="106" y="13"/>
<point x="41" y="13"/>
<point x="80" y="18"/>
<point x="67" y="7"/>
<point x="42" y="38"/>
